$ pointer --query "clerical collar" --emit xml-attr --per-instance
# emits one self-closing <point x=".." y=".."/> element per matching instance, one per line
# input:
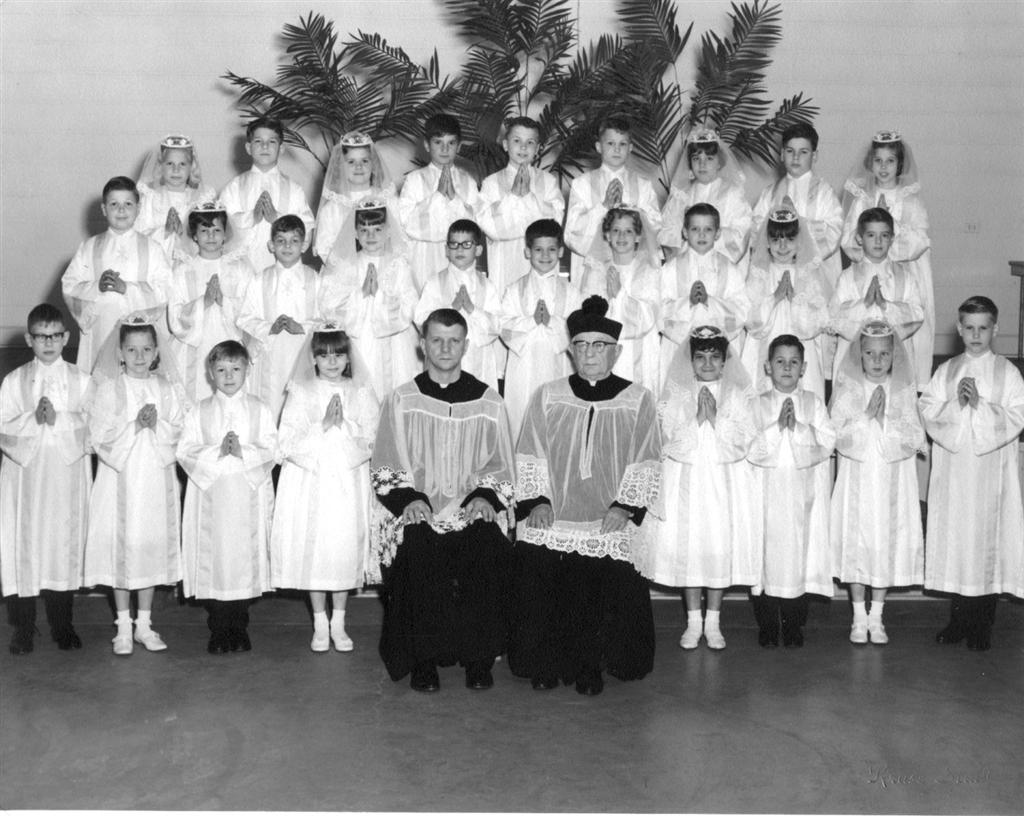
<point x="606" y="389"/>
<point x="464" y="389"/>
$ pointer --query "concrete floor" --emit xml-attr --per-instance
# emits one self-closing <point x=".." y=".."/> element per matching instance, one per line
<point x="909" y="728"/>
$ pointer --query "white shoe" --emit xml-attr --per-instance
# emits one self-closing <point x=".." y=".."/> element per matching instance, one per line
<point x="859" y="632"/>
<point x="342" y="642"/>
<point x="123" y="643"/>
<point x="876" y="632"/>
<point x="715" y="639"/>
<point x="150" y="639"/>
<point x="691" y="637"/>
<point x="321" y="641"/>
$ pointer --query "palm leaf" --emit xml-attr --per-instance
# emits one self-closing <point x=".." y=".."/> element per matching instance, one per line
<point x="652" y="23"/>
<point x="761" y="142"/>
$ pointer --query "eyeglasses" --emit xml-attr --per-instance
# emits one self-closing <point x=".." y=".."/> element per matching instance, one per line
<point x="460" y="244"/>
<point x="48" y="338"/>
<point x="597" y="346"/>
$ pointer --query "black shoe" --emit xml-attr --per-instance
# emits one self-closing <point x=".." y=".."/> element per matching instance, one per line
<point x="219" y="643"/>
<point x="479" y="677"/>
<point x="238" y="640"/>
<point x="590" y="683"/>
<point x="953" y="633"/>
<point x="22" y="642"/>
<point x="793" y="639"/>
<point x="767" y="639"/>
<point x="544" y="683"/>
<point x="424" y="678"/>
<point x="67" y="639"/>
<point x="980" y="640"/>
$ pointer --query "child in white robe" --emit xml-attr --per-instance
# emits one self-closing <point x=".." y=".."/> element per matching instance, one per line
<point x="788" y="294"/>
<point x="876" y="519"/>
<point x="134" y="536"/>
<point x="623" y="268"/>
<point x="703" y="536"/>
<point x="973" y="408"/>
<point x="533" y="313"/>
<point x="791" y="453"/>
<point x="279" y="307"/>
<point x="321" y="531"/>
<point x="887" y="177"/>
<point x="115" y="273"/>
<point x="170" y="186"/>
<point x="512" y="199"/>
<point x="372" y="294"/>
<point x="709" y="174"/>
<point x="206" y="297"/>
<point x="228" y="447"/>
<point x="45" y="476"/>
<point x="258" y="197"/>
<point x="434" y="196"/>
<point x="468" y="290"/>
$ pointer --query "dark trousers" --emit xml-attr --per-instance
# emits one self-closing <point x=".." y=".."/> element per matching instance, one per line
<point x="58" y="605"/>
<point x="972" y="615"/>
<point x="770" y="611"/>
<point x="227" y="616"/>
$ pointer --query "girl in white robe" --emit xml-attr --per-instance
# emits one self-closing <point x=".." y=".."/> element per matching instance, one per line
<point x="876" y="517"/>
<point x="320" y="535"/>
<point x="134" y="533"/>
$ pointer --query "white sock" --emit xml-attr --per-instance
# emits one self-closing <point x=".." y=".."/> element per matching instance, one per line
<point x="876" y="610"/>
<point x="338" y="618"/>
<point x="860" y="612"/>
<point x="711" y="620"/>
<point x="124" y="622"/>
<point x="144" y="619"/>
<point x="319" y="620"/>
<point x="694" y="619"/>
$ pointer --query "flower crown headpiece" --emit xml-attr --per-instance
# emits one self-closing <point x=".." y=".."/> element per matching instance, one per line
<point x="783" y="215"/>
<point x="704" y="135"/>
<point x="138" y="320"/>
<point x="706" y="333"/>
<point x="372" y="204"/>
<point x="177" y="141"/>
<point x="355" y="138"/>
<point x="887" y="137"/>
<point x="210" y="207"/>
<point x="877" y="328"/>
<point x="328" y="326"/>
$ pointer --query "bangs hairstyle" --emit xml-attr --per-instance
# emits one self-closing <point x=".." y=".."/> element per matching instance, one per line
<point x="120" y="183"/>
<point x="782" y="229"/>
<point x="616" y="213"/>
<point x="442" y="124"/>
<point x="266" y="122"/>
<point x="227" y="350"/>
<point x="543" y="228"/>
<point x="466" y="225"/>
<point x="45" y="313"/>
<point x="371" y="218"/>
<point x="875" y="215"/>
<point x="707" y="148"/>
<point x="801" y="130"/>
<point x="332" y="342"/>
<point x="617" y="123"/>
<point x="288" y="223"/>
<point x="199" y="218"/>
<point x="979" y="304"/>
<point x="785" y="341"/>
<point x="523" y="122"/>
<point x="720" y="343"/>
<point x="141" y="328"/>
<point x="446" y="318"/>
<point x="703" y="208"/>
<point x="895" y="147"/>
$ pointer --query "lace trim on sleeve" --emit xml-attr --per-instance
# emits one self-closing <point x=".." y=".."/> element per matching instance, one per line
<point x="584" y="538"/>
<point x="533" y="479"/>
<point x="640" y="485"/>
<point x="385" y="480"/>
<point x="505" y="489"/>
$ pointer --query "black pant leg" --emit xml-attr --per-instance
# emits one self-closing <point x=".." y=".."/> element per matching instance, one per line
<point x="536" y="645"/>
<point x="626" y="620"/>
<point x="58" y="610"/>
<point x="21" y="611"/>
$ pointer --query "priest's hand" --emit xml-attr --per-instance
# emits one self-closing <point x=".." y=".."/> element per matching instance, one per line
<point x="481" y="509"/>
<point x="613" y="195"/>
<point x="417" y="512"/>
<point x="45" y="412"/>
<point x="614" y="520"/>
<point x="541" y="517"/>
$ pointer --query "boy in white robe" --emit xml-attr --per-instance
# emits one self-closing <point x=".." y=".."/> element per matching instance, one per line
<point x="791" y="454"/>
<point x="279" y="308"/>
<point x="973" y="408"/>
<point x="258" y="197"/>
<point x="228" y="447"/>
<point x="45" y="476"/>
<point x="115" y="273"/>
<point x="434" y="196"/>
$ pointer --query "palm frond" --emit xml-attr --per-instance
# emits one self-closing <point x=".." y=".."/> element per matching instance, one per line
<point x="761" y="142"/>
<point x="556" y="51"/>
<point x="493" y="78"/>
<point x="490" y="22"/>
<point x="538" y="21"/>
<point x="652" y="23"/>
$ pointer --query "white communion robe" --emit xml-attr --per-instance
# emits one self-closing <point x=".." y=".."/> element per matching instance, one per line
<point x="154" y="205"/>
<point x="735" y="216"/>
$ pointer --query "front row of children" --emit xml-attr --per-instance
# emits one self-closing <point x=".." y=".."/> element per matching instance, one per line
<point x="721" y="448"/>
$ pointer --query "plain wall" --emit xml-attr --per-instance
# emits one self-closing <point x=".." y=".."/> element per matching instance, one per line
<point x="89" y="87"/>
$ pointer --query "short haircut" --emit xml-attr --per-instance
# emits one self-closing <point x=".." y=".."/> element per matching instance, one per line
<point x="287" y="223"/>
<point x="979" y="304"/>
<point x="442" y="124"/>
<point x="206" y="218"/>
<point x="703" y="208"/>
<point x="445" y="317"/>
<point x="718" y="343"/>
<point x="615" y="213"/>
<point x="782" y="229"/>
<point x="45" y="313"/>
<point x="801" y="130"/>
<point x="615" y="122"/>
<point x="371" y="218"/>
<point x="543" y="228"/>
<point x="708" y="148"/>
<point x="267" y="122"/>
<point x="466" y="225"/>
<point x="333" y="342"/>
<point x="523" y="122"/>
<point x="227" y="350"/>
<point x="874" y="215"/>
<point x="786" y="341"/>
<point x="895" y="147"/>
<point x="120" y="183"/>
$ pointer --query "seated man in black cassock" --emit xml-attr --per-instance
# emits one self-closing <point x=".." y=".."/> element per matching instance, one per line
<point x="588" y="467"/>
<point x="442" y="469"/>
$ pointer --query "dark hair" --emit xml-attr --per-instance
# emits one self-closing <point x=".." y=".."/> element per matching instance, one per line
<point x="895" y="147"/>
<point x="445" y="317"/>
<point x="801" y="130"/>
<point x="45" y="313"/>
<point x="621" y="212"/>
<point x="787" y="341"/>
<point x="371" y="218"/>
<point x="466" y="225"/>
<point x="614" y="122"/>
<point x="708" y="148"/>
<point x="332" y="342"/>
<point x="523" y="122"/>
<point x="227" y="350"/>
<point x="287" y="223"/>
<point x="718" y="343"/>
<point x="703" y="208"/>
<point x="874" y="215"/>
<point x="979" y="304"/>
<point x="120" y="183"/>
<point x="442" y="124"/>
<point x="782" y="229"/>
<point x="141" y="328"/>
<point x="267" y="122"/>
<point x="543" y="228"/>
<point x="206" y="218"/>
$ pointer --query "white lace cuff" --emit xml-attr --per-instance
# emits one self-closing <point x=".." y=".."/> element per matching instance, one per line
<point x="640" y="484"/>
<point x="584" y="538"/>
<point x="533" y="478"/>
